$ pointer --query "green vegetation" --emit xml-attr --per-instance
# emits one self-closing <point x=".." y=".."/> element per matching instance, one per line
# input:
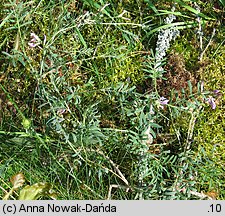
<point x="112" y="99"/>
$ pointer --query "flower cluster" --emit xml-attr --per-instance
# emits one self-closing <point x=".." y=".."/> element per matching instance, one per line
<point x="211" y="100"/>
<point x="161" y="102"/>
<point x="214" y="96"/>
<point x="35" y="40"/>
<point x="164" y="38"/>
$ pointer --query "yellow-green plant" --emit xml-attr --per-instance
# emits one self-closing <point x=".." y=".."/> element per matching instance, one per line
<point x="29" y="192"/>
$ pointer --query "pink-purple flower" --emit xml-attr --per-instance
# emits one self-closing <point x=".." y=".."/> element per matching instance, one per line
<point x="162" y="102"/>
<point x="212" y="102"/>
<point x="35" y="40"/>
<point x="216" y="92"/>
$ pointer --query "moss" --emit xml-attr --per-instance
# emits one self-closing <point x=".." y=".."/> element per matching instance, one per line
<point x="209" y="136"/>
<point x="212" y="123"/>
<point x="187" y="47"/>
<point x="128" y="70"/>
<point x="210" y="128"/>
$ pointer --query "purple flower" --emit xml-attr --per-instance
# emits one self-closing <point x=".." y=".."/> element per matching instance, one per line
<point x="32" y="45"/>
<point x="217" y="93"/>
<point x="34" y="37"/>
<point x="212" y="103"/>
<point x="163" y="101"/>
<point x="35" y="40"/>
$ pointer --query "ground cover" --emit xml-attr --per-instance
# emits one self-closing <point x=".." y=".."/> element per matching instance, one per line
<point x="112" y="99"/>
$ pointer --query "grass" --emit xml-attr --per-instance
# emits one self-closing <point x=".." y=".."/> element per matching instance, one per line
<point x="81" y="106"/>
